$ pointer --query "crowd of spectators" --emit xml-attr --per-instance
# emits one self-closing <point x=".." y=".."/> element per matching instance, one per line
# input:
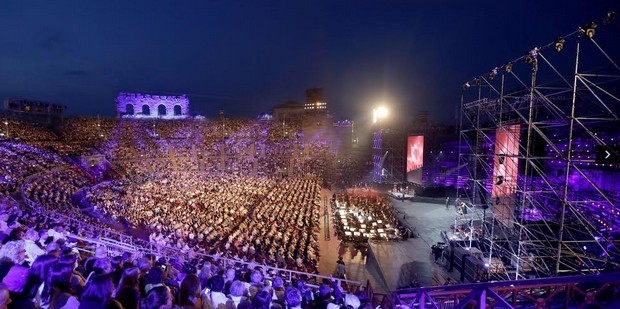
<point x="350" y="170"/>
<point x="24" y="131"/>
<point x="262" y="148"/>
<point x="53" y="190"/>
<point x="18" y="161"/>
<point x="257" y="219"/>
<point x="145" y="151"/>
<point x="49" y="268"/>
<point x="234" y="188"/>
<point x="231" y="145"/>
<point x="284" y="226"/>
<point x="43" y="265"/>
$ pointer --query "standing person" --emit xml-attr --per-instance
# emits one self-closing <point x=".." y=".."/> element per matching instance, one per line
<point x="447" y="202"/>
<point x="128" y="291"/>
<point x="340" y="268"/>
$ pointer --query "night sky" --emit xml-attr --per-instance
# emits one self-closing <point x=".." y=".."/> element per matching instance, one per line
<point x="247" y="56"/>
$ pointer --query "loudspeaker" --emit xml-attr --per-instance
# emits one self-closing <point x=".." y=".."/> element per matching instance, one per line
<point x="500" y="180"/>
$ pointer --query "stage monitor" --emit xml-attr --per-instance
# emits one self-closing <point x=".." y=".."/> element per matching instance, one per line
<point x="415" y="158"/>
<point x="505" y="173"/>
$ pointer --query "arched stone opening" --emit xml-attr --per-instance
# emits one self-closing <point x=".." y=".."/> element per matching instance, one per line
<point x="177" y="110"/>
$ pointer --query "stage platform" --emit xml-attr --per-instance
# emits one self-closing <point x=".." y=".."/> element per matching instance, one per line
<point x="398" y="263"/>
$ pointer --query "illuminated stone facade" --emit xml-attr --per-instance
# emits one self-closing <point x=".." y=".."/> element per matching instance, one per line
<point x="137" y="105"/>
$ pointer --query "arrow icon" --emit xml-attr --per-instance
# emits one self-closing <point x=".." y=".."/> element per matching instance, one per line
<point x="608" y="154"/>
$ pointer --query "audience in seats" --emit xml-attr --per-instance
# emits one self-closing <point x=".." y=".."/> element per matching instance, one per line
<point x="236" y="188"/>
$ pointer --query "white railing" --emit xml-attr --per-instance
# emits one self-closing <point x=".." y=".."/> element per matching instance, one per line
<point x="116" y="247"/>
<point x="63" y="218"/>
<point x="58" y="217"/>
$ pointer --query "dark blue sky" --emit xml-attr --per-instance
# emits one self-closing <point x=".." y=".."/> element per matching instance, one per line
<point x="247" y="56"/>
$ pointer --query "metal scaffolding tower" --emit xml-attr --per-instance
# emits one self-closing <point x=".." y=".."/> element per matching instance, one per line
<point x="389" y="152"/>
<point x="539" y="136"/>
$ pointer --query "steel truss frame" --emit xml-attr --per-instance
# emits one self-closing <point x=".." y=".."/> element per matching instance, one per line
<point x="389" y="154"/>
<point x="561" y="214"/>
<point x="599" y="291"/>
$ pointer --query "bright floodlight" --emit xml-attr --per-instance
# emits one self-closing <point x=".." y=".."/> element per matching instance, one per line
<point x="382" y="112"/>
<point x="379" y="113"/>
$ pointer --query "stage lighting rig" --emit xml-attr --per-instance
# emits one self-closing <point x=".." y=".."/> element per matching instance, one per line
<point x="589" y="30"/>
<point x="379" y="113"/>
<point x="530" y="58"/>
<point x="609" y="18"/>
<point x="559" y="43"/>
<point x="493" y="73"/>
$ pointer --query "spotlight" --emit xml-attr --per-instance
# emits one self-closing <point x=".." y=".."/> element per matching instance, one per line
<point x="589" y="30"/>
<point x="530" y="58"/>
<point x="477" y="82"/>
<point x="493" y="73"/>
<point x="466" y="85"/>
<point x="559" y="44"/>
<point x="609" y="18"/>
<point x="508" y="67"/>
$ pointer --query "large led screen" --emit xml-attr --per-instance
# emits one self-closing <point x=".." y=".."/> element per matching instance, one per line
<point x="505" y="173"/>
<point x="415" y="158"/>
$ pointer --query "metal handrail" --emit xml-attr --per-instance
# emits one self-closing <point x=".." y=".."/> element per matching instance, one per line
<point x="510" y="293"/>
<point x="290" y="274"/>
